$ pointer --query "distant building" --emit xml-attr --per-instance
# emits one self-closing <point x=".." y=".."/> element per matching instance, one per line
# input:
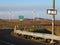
<point x="37" y="19"/>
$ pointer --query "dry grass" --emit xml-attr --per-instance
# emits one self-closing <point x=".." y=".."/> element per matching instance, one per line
<point x="31" y="24"/>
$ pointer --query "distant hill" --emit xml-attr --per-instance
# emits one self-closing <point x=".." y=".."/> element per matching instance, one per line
<point x="42" y="20"/>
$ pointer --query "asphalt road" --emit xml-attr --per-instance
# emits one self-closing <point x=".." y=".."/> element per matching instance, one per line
<point x="7" y="39"/>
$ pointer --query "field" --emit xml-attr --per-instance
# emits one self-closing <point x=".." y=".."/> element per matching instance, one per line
<point x="30" y="25"/>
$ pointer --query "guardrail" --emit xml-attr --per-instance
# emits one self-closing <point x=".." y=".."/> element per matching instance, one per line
<point x="42" y="35"/>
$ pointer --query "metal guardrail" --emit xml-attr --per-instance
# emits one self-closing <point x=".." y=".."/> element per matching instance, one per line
<point x="42" y="35"/>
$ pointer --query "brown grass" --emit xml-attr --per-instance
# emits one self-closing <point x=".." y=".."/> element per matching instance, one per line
<point x="30" y="23"/>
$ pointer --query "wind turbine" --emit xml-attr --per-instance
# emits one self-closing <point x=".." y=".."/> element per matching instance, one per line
<point x="9" y="14"/>
<point x="33" y="13"/>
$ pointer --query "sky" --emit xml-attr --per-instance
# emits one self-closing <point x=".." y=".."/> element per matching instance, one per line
<point x="11" y="9"/>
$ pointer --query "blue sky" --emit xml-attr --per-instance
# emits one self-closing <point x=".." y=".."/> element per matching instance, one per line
<point x="23" y="1"/>
<point x="28" y="8"/>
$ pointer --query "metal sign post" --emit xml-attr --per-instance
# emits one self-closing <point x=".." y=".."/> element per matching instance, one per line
<point x="21" y="18"/>
<point x="53" y="19"/>
<point x="52" y="12"/>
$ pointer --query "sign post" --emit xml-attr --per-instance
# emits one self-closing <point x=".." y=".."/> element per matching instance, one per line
<point x="52" y="12"/>
<point x="21" y="18"/>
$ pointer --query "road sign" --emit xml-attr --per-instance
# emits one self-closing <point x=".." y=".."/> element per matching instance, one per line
<point x="21" y="18"/>
<point x="51" y="11"/>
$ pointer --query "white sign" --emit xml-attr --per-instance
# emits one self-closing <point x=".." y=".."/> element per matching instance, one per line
<point x="52" y="12"/>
